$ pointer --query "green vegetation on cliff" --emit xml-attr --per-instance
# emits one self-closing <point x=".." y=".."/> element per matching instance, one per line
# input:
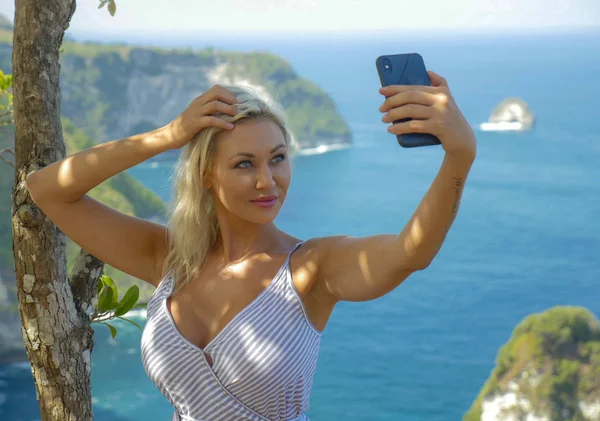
<point x="122" y="192"/>
<point x="554" y="359"/>
<point x="99" y="81"/>
<point x="311" y="112"/>
<point x="109" y="91"/>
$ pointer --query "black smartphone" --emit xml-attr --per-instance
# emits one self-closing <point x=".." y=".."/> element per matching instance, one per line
<point x="406" y="69"/>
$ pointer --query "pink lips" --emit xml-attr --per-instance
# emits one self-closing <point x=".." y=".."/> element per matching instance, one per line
<point x="265" y="202"/>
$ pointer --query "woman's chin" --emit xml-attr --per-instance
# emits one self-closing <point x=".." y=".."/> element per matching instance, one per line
<point x="265" y="219"/>
<point x="264" y="215"/>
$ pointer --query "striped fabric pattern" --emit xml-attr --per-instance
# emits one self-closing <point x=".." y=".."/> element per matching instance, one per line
<point x="263" y="361"/>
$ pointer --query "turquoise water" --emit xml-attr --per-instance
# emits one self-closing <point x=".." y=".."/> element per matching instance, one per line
<point x="527" y="236"/>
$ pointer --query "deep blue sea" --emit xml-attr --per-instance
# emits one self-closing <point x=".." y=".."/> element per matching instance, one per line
<point x="527" y="236"/>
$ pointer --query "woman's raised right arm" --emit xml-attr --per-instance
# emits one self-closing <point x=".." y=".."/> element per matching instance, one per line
<point x="60" y="190"/>
<point x="133" y="245"/>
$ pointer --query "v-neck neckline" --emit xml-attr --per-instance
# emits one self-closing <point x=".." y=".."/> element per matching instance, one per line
<point x="239" y="314"/>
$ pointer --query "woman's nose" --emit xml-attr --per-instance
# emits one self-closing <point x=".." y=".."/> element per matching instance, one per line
<point x="265" y="178"/>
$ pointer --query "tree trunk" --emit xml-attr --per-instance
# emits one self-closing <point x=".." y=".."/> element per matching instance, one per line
<point x="55" y="326"/>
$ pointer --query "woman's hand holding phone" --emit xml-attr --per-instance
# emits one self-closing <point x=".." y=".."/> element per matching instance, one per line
<point x="432" y="110"/>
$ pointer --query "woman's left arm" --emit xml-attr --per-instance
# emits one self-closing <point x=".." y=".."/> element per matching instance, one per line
<point x="361" y="269"/>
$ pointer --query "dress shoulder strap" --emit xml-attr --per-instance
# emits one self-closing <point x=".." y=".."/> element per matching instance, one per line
<point x="289" y="256"/>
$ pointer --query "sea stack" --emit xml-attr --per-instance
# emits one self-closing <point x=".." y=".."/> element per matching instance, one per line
<point x="512" y="114"/>
<point x="549" y="370"/>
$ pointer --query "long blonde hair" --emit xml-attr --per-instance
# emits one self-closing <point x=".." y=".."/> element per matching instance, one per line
<point x="192" y="220"/>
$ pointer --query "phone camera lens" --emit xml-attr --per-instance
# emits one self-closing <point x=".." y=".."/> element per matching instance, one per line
<point x="387" y="65"/>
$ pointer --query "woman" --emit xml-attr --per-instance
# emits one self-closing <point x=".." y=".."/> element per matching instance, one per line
<point x="234" y="325"/>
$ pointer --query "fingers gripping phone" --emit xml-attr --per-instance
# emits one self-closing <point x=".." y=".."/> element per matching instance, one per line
<point x="406" y="69"/>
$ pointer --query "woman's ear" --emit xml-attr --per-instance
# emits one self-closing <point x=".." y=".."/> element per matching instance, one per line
<point x="207" y="180"/>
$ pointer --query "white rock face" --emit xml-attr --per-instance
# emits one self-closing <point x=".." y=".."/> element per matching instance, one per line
<point x="512" y="114"/>
<point x="218" y="75"/>
<point x="512" y="407"/>
<point x="163" y="96"/>
<point x="153" y="89"/>
<point x="508" y="407"/>
<point x="590" y="410"/>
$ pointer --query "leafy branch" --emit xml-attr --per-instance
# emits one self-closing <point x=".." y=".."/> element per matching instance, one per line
<point x="6" y="111"/>
<point x="6" y="99"/>
<point x="112" y="6"/>
<point x="109" y="307"/>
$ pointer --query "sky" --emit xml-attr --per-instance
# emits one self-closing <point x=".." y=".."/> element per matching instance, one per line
<point x="317" y="16"/>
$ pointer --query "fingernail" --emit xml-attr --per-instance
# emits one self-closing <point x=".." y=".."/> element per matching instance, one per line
<point x="230" y="125"/>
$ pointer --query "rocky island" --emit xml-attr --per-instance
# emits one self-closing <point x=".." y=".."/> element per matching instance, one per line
<point x="512" y="114"/>
<point x="549" y="370"/>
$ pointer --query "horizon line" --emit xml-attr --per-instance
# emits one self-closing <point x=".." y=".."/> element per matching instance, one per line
<point x="87" y="35"/>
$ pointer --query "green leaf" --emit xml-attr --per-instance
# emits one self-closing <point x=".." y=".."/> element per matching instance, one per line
<point x="113" y="331"/>
<point x="128" y="301"/>
<point x="5" y="82"/>
<point x="102" y="4"/>
<point x="112" y="7"/>
<point x="108" y="281"/>
<point x="141" y="305"/>
<point x="131" y="321"/>
<point x="105" y="299"/>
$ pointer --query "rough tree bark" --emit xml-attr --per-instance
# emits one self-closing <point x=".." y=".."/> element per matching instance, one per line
<point x="54" y="312"/>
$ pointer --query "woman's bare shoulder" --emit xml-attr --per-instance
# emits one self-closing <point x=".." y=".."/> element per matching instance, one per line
<point x="304" y="263"/>
<point x="317" y="247"/>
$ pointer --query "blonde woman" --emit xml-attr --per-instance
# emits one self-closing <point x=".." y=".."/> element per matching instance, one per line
<point x="234" y="325"/>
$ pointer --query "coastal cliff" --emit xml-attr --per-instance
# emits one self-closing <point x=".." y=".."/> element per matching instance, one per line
<point x="113" y="91"/>
<point x="121" y="192"/>
<point x="549" y="370"/>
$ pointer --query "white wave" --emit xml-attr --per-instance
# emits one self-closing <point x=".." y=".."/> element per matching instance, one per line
<point x="502" y="126"/>
<point x="22" y="365"/>
<point x="138" y="312"/>
<point x="321" y="149"/>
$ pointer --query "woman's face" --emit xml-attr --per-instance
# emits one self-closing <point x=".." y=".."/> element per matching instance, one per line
<point x="250" y="163"/>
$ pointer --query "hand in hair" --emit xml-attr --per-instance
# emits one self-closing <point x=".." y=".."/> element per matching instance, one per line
<point x="200" y="115"/>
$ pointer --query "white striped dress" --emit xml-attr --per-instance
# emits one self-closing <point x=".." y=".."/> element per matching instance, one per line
<point x="263" y="361"/>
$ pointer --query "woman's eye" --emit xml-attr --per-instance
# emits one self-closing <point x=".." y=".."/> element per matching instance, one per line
<point x="248" y="164"/>
<point x="243" y="164"/>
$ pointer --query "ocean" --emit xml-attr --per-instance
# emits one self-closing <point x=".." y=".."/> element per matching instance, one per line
<point x="527" y="236"/>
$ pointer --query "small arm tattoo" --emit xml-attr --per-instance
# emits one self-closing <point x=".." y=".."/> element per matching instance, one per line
<point x="457" y="187"/>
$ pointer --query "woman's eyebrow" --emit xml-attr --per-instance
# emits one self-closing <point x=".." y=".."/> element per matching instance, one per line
<point x="250" y="155"/>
